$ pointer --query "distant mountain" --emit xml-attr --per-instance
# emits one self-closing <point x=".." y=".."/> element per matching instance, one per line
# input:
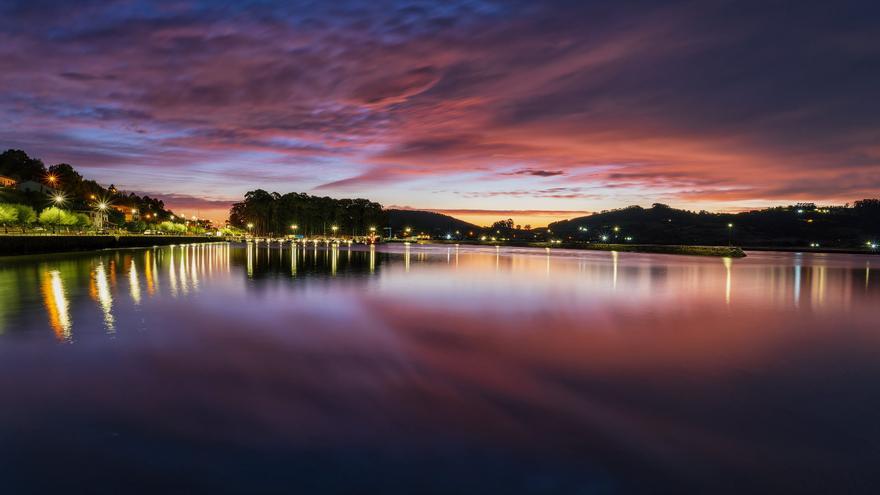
<point x="428" y="222"/>
<point x="795" y="225"/>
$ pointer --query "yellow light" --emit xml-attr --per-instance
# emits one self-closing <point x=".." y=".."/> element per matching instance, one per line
<point x="102" y="206"/>
<point x="294" y="226"/>
<point x="59" y="199"/>
<point x="730" y="226"/>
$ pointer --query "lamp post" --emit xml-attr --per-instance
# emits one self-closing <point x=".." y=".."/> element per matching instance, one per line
<point x="729" y="234"/>
<point x="250" y="228"/>
<point x="58" y="199"/>
<point x="334" y="228"/>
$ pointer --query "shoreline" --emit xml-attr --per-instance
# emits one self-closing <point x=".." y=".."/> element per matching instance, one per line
<point x="674" y="249"/>
<point x="25" y="245"/>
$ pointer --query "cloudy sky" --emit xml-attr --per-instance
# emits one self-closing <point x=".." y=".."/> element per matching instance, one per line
<point x="536" y="110"/>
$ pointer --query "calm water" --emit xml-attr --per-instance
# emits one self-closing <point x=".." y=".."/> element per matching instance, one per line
<point x="432" y="369"/>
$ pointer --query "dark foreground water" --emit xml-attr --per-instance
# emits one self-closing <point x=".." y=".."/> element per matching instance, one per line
<point x="416" y="370"/>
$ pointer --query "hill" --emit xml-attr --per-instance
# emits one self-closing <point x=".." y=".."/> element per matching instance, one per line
<point x="428" y="222"/>
<point x="791" y="226"/>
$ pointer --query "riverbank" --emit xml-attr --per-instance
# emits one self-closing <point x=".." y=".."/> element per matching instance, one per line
<point x="16" y="245"/>
<point x="718" y="251"/>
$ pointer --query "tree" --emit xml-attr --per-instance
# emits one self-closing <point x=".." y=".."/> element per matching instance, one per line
<point x="16" y="163"/>
<point x="82" y="220"/>
<point x="503" y="224"/>
<point x="26" y="216"/>
<point x="136" y="226"/>
<point x="8" y="216"/>
<point x="52" y="217"/>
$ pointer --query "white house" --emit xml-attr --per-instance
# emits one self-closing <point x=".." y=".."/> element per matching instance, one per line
<point x="33" y="186"/>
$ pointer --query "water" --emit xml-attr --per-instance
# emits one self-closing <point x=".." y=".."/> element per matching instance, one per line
<point x="433" y="369"/>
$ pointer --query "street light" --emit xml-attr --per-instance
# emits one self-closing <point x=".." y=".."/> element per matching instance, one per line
<point x="729" y="233"/>
<point x="58" y="199"/>
<point x="102" y="206"/>
<point x="334" y="229"/>
<point x="51" y="179"/>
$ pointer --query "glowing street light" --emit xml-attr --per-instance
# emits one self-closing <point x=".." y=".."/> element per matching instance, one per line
<point x="334" y="229"/>
<point x="294" y="226"/>
<point x="604" y="238"/>
<point x="51" y="179"/>
<point x="102" y="206"/>
<point x="729" y="233"/>
<point x="58" y="199"/>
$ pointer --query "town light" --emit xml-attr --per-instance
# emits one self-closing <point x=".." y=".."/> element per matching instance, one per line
<point x="372" y="229"/>
<point x="51" y="178"/>
<point x="249" y="226"/>
<point x="102" y="205"/>
<point x="59" y="199"/>
<point x="604" y="237"/>
<point x="294" y="226"/>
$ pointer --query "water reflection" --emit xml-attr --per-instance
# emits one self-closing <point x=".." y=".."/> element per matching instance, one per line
<point x="100" y="292"/>
<point x="446" y="369"/>
<point x="57" y="305"/>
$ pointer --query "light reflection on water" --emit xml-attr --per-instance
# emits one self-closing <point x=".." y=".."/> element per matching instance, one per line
<point x="418" y="369"/>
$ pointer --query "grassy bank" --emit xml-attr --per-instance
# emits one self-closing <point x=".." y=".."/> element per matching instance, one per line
<point x="14" y="245"/>
<point x="720" y="251"/>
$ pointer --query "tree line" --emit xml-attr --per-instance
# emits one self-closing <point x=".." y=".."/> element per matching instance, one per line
<point x="265" y="213"/>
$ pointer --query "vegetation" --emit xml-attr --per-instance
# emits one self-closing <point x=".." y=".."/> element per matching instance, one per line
<point x="172" y="227"/>
<point x="78" y="194"/>
<point x="298" y="213"/>
<point x="797" y="225"/>
<point x="53" y="218"/>
<point x="431" y="223"/>
<point x="16" y="215"/>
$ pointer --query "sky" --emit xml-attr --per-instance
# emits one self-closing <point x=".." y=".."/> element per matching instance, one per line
<point x="484" y="110"/>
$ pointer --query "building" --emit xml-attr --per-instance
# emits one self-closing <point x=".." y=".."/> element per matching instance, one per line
<point x="130" y="214"/>
<point x="7" y="181"/>
<point x="99" y="218"/>
<point x="33" y="186"/>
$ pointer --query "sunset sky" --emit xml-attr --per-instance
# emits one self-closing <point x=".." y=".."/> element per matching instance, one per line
<point x="485" y="110"/>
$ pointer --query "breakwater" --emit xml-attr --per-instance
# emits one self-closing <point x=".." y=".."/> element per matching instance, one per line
<point x="14" y="245"/>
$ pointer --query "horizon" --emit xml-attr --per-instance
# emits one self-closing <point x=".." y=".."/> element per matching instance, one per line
<point x="480" y="110"/>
